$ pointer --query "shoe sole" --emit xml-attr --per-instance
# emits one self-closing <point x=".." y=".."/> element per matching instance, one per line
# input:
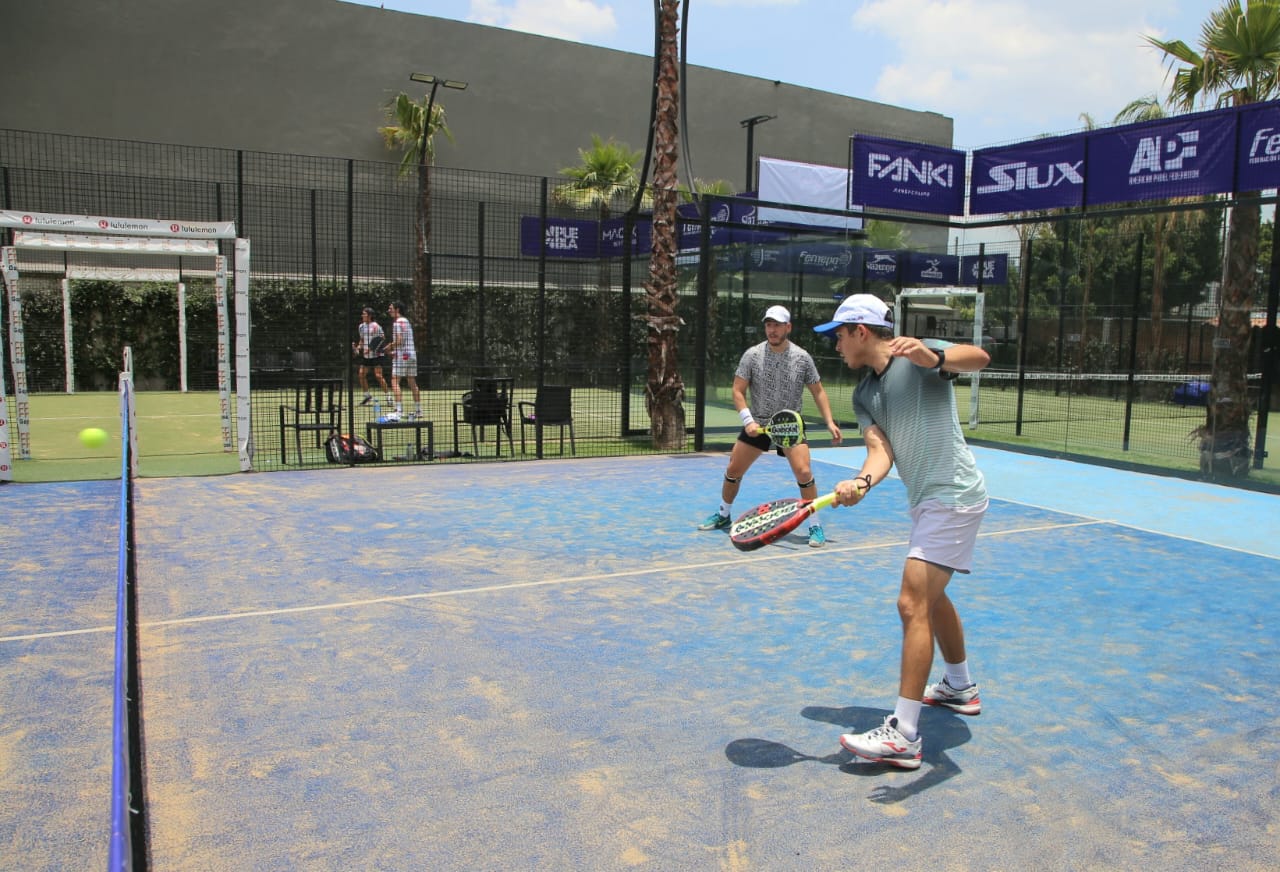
<point x="964" y="708"/>
<point x="899" y="762"/>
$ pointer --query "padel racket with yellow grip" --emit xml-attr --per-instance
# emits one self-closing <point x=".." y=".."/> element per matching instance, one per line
<point x="785" y="428"/>
<point x="769" y="522"/>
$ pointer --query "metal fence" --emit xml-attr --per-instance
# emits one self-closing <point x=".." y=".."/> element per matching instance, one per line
<point x="331" y="236"/>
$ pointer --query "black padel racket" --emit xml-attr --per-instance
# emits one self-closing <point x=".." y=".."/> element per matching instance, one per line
<point x="785" y="428"/>
<point x="769" y="522"/>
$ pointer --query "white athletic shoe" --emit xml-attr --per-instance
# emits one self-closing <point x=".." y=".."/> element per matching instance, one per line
<point x="885" y="744"/>
<point x="964" y="700"/>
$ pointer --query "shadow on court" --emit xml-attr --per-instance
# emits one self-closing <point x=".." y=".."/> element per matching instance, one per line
<point x="944" y="729"/>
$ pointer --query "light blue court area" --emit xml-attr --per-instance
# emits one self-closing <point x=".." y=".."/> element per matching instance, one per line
<point x="545" y="666"/>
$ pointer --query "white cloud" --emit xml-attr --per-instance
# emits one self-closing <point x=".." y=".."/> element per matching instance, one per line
<point x="577" y="20"/>
<point x="1039" y="60"/>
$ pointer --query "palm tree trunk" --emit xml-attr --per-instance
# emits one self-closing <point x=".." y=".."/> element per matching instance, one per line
<point x="664" y="388"/>
<point x="422" y="263"/>
<point x="1225" y="445"/>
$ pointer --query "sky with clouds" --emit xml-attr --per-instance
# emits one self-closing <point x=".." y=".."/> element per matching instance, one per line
<point x="1005" y="70"/>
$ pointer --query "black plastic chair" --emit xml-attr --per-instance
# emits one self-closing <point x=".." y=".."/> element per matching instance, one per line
<point x="552" y="407"/>
<point x="487" y="404"/>
<point x="317" y="408"/>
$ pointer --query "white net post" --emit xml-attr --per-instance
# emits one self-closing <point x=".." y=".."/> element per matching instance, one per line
<point x="6" y="456"/>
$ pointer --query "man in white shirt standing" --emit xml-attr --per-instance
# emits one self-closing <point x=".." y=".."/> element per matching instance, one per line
<point x="404" y="361"/>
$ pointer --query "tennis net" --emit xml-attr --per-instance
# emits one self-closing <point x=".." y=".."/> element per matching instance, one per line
<point x="128" y="848"/>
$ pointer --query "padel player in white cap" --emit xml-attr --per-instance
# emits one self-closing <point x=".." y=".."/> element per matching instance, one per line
<point x="776" y="372"/>
<point x="907" y="412"/>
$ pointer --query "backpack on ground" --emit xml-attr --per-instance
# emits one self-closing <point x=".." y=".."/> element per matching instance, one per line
<point x="344" y="448"/>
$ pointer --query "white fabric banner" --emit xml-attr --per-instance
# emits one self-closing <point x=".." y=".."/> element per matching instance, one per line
<point x="785" y="181"/>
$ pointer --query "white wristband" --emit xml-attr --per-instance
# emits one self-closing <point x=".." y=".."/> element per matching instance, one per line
<point x="746" y="417"/>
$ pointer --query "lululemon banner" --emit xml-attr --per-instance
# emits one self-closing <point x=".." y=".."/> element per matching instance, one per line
<point x="890" y="174"/>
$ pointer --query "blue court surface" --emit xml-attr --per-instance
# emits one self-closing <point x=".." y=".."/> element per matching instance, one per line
<point x="545" y="666"/>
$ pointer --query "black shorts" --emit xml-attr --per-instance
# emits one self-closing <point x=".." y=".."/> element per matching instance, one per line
<point x="373" y="362"/>
<point x="762" y="441"/>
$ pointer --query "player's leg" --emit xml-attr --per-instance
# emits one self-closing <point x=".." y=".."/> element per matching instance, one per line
<point x="746" y="450"/>
<point x="897" y="741"/>
<point x="412" y="379"/>
<point x="362" y="375"/>
<point x="377" y="371"/>
<point x="802" y="467"/>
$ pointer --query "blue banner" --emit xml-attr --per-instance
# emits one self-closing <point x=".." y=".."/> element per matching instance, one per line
<point x="890" y="174"/>
<point x="1042" y="174"/>
<point x="995" y="269"/>
<point x="612" y="238"/>
<point x="1258" y="149"/>
<point x="924" y="268"/>
<point x="880" y="264"/>
<point x="566" y="237"/>
<point x="1184" y="156"/>
<point x="823" y="258"/>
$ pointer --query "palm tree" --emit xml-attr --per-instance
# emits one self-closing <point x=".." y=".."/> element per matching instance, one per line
<point x="606" y="178"/>
<point x="412" y="132"/>
<point x="664" y="388"/>
<point x="1238" y="63"/>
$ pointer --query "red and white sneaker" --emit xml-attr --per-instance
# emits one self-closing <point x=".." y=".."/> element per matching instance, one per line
<point x="885" y="744"/>
<point x="964" y="700"/>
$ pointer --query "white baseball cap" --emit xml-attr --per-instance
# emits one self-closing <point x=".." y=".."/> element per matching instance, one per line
<point x="859" y="309"/>
<point x="777" y="313"/>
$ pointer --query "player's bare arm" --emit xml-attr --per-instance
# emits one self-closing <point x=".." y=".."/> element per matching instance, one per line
<point x="874" y="469"/>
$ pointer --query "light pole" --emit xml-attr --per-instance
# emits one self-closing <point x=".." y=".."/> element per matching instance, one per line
<point x="750" y="124"/>
<point x="435" y="82"/>
<point x="422" y="273"/>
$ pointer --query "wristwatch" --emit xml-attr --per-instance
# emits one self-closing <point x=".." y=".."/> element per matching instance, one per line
<point x="942" y="358"/>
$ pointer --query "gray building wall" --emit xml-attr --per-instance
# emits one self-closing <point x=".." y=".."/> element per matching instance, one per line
<point x="312" y="77"/>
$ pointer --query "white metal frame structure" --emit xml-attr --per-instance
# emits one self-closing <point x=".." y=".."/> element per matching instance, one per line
<point x="90" y="234"/>
<point x="923" y="294"/>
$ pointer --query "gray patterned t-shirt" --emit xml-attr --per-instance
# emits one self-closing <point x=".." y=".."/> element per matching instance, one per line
<point x="777" y="378"/>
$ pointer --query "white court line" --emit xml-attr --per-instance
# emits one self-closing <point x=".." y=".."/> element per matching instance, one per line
<point x="522" y="585"/>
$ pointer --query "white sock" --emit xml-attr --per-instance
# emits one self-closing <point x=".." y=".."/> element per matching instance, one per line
<point x="958" y="675"/>
<point x="907" y="711"/>
<point x="726" y="510"/>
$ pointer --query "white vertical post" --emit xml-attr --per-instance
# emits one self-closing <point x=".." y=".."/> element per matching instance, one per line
<point x="69" y="357"/>
<point x="243" y="410"/>
<point x="17" y="350"/>
<point x="182" y="336"/>
<point x="6" y="456"/>
<point x="975" y="377"/>
<point x="224" y="349"/>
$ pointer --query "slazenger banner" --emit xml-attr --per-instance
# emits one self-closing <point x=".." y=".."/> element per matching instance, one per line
<point x="880" y="264"/>
<point x="1043" y="174"/>
<point x="1258" y="148"/>
<point x="1179" y="157"/>
<point x="889" y="174"/>
<point x="117" y="226"/>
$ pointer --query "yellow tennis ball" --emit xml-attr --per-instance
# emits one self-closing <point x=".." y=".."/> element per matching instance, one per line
<point x="93" y="437"/>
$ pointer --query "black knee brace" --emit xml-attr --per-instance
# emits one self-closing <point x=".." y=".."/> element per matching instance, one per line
<point x="730" y="479"/>
<point x="810" y="483"/>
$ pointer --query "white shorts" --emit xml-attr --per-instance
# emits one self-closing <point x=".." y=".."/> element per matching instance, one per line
<point x="945" y="535"/>
<point x="401" y="366"/>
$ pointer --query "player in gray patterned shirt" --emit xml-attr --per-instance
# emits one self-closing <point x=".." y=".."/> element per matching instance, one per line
<point x="776" y="372"/>
<point x="907" y="411"/>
